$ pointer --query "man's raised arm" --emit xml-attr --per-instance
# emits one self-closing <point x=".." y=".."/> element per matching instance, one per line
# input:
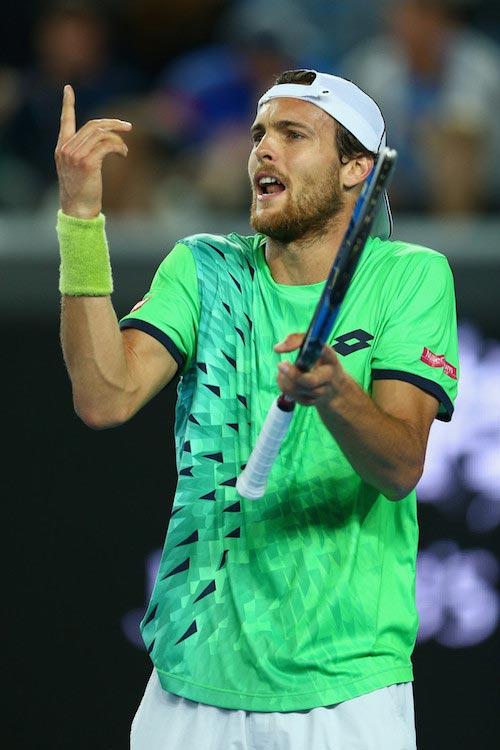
<point x="112" y="373"/>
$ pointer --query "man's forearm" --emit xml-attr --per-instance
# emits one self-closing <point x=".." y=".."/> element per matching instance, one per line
<point x="387" y="452"/>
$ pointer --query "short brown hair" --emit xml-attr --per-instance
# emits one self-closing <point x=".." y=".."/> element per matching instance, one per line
<point x="347" y="144"/>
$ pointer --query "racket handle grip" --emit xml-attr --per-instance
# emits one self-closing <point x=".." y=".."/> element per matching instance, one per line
<point x="253" y="480"/>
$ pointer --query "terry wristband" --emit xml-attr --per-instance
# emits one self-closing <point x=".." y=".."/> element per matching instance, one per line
<point x="85" y="269"/>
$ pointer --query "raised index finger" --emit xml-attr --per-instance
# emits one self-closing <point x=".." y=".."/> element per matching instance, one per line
<point x="68" y="117"/>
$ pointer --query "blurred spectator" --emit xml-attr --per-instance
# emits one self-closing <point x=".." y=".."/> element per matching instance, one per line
<point x="12" y="191"/>
<point x="206" y="99"/>
<point x="339" y="26"/>
<point x="138" y="185"/>
<point x="71" y="45"/>
<point x="158" y="31"/>
<point x="437" y="82"/>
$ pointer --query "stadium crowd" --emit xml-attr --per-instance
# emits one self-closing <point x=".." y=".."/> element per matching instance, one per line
<point x="187" y="75"/>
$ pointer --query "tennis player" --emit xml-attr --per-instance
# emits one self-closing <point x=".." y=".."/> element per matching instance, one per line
<point x="287" y="622"/>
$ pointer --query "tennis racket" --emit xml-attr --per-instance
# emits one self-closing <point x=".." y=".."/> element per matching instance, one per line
<point x="252" y="481"/>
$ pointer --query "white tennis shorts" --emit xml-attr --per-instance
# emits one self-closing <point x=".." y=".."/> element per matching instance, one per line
<point x="381" y="720"/>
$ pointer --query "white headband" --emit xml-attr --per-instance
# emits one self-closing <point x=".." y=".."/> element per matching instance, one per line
<point x="352" y="108"/>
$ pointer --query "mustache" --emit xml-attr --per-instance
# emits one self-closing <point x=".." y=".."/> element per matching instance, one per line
<point x="267" y="173"/>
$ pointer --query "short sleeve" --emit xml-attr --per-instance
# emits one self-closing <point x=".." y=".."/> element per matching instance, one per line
<point x="170" y="310"/>
<point x="419" y="342"/>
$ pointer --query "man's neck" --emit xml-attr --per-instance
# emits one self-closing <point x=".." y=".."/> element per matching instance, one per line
<point x="307" y="260"/>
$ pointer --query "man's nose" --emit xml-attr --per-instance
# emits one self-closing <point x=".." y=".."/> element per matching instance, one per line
<point x="267" y="149"/>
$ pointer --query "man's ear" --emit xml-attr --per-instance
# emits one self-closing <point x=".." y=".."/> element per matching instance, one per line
<point x="356" y="170"/>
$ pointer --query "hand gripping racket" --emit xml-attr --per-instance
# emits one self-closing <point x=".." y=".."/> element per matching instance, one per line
<point x="252" y="481"/>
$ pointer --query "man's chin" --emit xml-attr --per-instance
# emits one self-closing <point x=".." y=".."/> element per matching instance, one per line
<point x="277" y="231"/>
<point x="272" y="224"/>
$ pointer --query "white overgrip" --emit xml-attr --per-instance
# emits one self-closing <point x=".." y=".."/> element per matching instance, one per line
<point x="252" y="482"/>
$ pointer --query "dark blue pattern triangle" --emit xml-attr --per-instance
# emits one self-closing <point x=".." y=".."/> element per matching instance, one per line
<point x="179" y="569"/>
<point x="229" y="482"/>
<point x="235" y="534"/>
<point x="191" y="538"/>
<point x="187" y="471"/>
<point x="231" y="361"/>
<point x="206" y="591"/>
<point x="151" y="615"/>
<point x="208" y="496"/>
<point x="238" y="285"/>
<point x="214" y="388"/>
<point x="192" y="629"/>
<point x="216" y="250"/>
<point x="214" y="457"/>
<point x="234" y="508"/>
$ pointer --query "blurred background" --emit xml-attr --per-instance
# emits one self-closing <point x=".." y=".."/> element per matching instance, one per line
<point x="86" y="512"/>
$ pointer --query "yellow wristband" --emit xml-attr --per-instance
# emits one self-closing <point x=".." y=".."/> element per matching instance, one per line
<point x="85" y="269"/>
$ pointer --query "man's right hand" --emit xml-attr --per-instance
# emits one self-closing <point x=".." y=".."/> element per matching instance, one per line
<point x="79" y="155"/>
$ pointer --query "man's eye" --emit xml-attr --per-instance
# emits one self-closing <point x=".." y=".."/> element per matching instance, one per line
<point x="294" y="135"/>
<point x="257" y="137"/>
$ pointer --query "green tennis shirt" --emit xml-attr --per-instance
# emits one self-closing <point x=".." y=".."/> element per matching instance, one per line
<point x="305" y="597"/>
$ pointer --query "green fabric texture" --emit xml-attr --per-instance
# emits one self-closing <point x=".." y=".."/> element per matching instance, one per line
<point x="172" y="303"/>
<point x="85" y="268"/>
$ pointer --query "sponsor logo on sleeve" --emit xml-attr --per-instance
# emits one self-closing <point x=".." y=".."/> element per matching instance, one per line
<point x="438" y="360"/>
<point x="140" y="304"/>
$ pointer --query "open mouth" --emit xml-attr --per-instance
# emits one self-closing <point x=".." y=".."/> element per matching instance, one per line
<point x="268" y="186"/>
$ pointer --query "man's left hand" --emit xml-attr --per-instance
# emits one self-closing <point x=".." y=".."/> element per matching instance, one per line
<point x="321" y="384"/>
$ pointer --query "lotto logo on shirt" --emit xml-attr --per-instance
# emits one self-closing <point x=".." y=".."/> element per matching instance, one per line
<point x="438" y="360"/>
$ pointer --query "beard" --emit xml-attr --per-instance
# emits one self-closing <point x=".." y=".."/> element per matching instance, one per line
<point x="319" y="204"/>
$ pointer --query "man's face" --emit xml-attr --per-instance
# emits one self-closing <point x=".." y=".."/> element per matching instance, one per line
<point x="294" y="170"/>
